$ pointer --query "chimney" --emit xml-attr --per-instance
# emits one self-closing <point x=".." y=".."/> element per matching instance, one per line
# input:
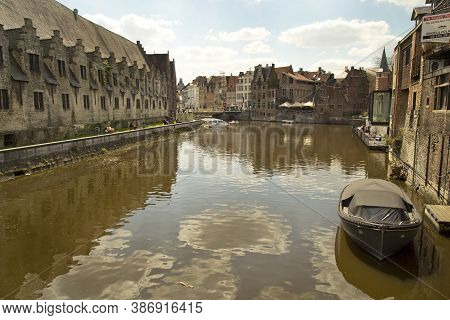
<point x="112" y="55"/>
<point x="57" y="33"/>
<point x="320" y="69"/>
<point x="346" y="68"/>
<point x="79" y="42"/>
<point x="273" y="65"/>
<point x="353" y="68"/>
<point x="75" y="13"/>
<point x="97" y="49"/>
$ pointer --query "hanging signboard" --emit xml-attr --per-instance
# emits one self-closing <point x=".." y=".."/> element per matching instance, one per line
<point x="436" y="28"/>
<point x="380" y="111"/>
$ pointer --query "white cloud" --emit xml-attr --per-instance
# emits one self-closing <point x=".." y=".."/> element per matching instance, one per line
<point x="244" y="34"/>
<point x="403" y="3"/>
<point x="257" y="47"/>
<point x="192" y="61"/>
<point x="360" y="37"/>
<point x="151" y="31"/>
<point x="196" y="54"/>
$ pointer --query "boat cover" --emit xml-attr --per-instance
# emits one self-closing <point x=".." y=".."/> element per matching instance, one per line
<point x="377" y="201"/>
<point x="365" y="206"/>
<point x="377" y="195"/>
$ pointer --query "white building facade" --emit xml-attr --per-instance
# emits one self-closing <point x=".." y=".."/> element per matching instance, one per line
<point x="192" y="97"/>
<point x="243" y="89"/>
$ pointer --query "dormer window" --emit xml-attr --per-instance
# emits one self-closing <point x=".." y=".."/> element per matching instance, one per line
<point x="34" y="62"/>
<point x="4" y="99"/>
<point x="100" y="77"/>
<point x="1" y="57"/>
<point x="127" y="81"/>
<point x="62" y="68"/>
<point x="83" y="72"/>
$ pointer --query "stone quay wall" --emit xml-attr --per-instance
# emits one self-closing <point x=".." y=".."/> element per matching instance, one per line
<point x="27" y="159"/>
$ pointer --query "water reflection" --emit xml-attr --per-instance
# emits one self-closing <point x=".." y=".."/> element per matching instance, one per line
<point x="399" y="277"/>
<point x="232" y="230"/>
<point x="279" y="149"/>
<point x="248" y="212"/>
<point x="48" y="218"/>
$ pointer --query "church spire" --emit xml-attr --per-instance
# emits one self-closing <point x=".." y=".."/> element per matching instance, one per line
<point x="384" y="63"/>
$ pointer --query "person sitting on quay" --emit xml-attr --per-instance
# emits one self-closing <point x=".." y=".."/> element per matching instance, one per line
<point x="133" y="125"/>
<point x="109" y="128"/>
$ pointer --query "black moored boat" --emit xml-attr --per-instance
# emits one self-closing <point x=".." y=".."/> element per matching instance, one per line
<point x="378" y="216"/>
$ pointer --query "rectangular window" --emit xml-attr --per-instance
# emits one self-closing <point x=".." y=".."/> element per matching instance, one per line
<point x="86" y="102"/>
<point x="39" y="101"/>
<point x="442" y="92"/>
<point x="83" y="72"/>
<point x="62" y="68"/>
<point x="413" y="110"/>
<point x="137" y="83"/>
<point x="159" y="104"/>
<point x="65" y="101"/>
<point x="138" y="104"/>
<point x="34" y="62"/>
<point x="9" y="140"/>
<point x="115" y="79"/>
<point x="407" y="55"/>
<point x="103" y="103"/>
<point x="1" y="56"/>
<point x="4" y="99"/>
<point x="127" y="81"/>
<point x="128" y="103"/>
<point x="154" y="104"/>
<point x="146" y="104"/>
<point x="116" y="103"/>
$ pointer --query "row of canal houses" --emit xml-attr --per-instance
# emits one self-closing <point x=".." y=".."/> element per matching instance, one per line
<point x="62" y="76"/>
<point x="271" y="93"/>
<point x="420" y="114"/>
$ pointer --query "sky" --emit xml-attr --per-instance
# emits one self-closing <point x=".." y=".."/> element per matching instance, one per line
<point x="210" y="37"/>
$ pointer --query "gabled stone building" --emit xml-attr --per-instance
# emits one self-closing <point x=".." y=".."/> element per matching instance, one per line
<point x="295" y="87"/>
<point x="231" y="92"/>
<point x="62" y="76"/>
<point x="265" y="94"/>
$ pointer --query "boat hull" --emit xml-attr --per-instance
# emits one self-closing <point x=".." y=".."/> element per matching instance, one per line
<point x="380" y="241"/>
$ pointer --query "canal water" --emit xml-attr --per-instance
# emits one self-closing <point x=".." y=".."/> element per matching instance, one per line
<point x="244" y="212"/>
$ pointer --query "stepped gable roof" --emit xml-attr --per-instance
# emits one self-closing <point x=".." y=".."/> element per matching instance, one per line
<point x="266" y="72"/>
<point x="49" y="15"/>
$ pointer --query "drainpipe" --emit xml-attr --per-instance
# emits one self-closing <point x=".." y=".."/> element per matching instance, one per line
<point x="441" y="167"/>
